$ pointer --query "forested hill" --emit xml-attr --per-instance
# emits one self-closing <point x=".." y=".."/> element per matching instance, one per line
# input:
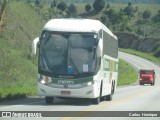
<point x="133" y="1"/>
<point x="108" y="1"/>
<point x="118" y="1"/>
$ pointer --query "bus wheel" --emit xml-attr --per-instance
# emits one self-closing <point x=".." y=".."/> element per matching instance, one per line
<point x="49" y="100"/>
<point x="110" y="96"/>
<point x="96" y="100"/>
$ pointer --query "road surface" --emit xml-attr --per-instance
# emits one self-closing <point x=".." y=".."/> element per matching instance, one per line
<point x="126" y="98"/>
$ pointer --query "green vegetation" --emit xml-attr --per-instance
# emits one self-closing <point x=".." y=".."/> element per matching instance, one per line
<point x="142" y="54"/>
<point x="118" y="1"/>
<point x="126" y="74"/>
<point x="142" y="19"/>
<point x="98" y="5"/>
<point x="72" y="10"/>
<point x="18" y="70"/>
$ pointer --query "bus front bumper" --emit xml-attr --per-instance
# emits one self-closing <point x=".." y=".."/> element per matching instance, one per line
<point x="84" y="92"/>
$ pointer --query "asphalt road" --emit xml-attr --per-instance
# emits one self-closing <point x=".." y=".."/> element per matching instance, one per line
<point x="127" y="98"/>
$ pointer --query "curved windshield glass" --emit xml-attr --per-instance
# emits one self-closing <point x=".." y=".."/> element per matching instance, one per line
<point x="67" y="53"/>
<point x="146" y="72"/>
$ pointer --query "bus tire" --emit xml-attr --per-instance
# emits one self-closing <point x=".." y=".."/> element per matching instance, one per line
<point x="113" y="87"/>
<point x="110" y="96"/>
<point x="96" y="101"/>
<point x="49" y="100"/>
<point x="102" y="98"/>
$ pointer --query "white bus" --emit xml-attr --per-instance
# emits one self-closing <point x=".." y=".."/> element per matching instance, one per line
<point x="78" y="58"/>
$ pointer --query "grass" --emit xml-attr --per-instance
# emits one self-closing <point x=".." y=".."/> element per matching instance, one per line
<point x="142" y="54"/>
<point x="18" y="70"/>
<point x="126" y="74"/>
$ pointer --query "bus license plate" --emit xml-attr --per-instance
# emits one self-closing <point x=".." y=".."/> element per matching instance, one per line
<point x="65" y="92"/>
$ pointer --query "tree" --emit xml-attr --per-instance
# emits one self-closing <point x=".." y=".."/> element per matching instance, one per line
<point x="113" y="16"/>
<point x="54" y="4"/>
<point x="88" y="8"/>
<point x="108" y="6"/>
<point x="28" y="1"/>
<point x="146" y="28"/>
<point x="98" y="5"/>
<point x="156" y="18"/>
<point x="37" y="2"/>
<point x="72" y="10"/>
<point x="50" y="13"/>
<point x="136" y="8"/>
<point x="123" y="20"/>
<point x="129" y="10"/>
<point x="129" y="4"/>
<point x="110" y="13"/>
<point x="104" y="19"/>
<point x="62" y="6"/>
<point x="146" y="14"/>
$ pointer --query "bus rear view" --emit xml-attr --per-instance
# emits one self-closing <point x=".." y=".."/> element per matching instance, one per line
<point x="72" y="63"/>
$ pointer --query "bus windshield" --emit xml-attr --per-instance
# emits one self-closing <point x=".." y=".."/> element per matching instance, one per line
<point x="67" y="53"/>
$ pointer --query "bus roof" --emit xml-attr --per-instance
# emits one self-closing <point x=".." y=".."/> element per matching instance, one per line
<point x="76" y="25"/>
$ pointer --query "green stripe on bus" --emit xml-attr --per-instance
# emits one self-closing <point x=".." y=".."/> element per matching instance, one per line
<point x="71" y="81"/>
<point x="107" y="65"/>
<point x="116" y="67"/>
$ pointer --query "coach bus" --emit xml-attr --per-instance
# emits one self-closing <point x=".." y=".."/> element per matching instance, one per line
<point x="77" y="58"/>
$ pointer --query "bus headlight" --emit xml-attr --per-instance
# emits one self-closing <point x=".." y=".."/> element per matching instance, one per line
<point x="45" y="80"/>
<point x="88" y="83"/>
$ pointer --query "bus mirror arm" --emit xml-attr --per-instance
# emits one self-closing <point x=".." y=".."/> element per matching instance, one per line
<point x="34" y="45"/>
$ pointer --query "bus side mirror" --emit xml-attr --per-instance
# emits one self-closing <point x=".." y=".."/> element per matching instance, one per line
<point x="34" y="45"/>
<point x="99" y="48"/>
